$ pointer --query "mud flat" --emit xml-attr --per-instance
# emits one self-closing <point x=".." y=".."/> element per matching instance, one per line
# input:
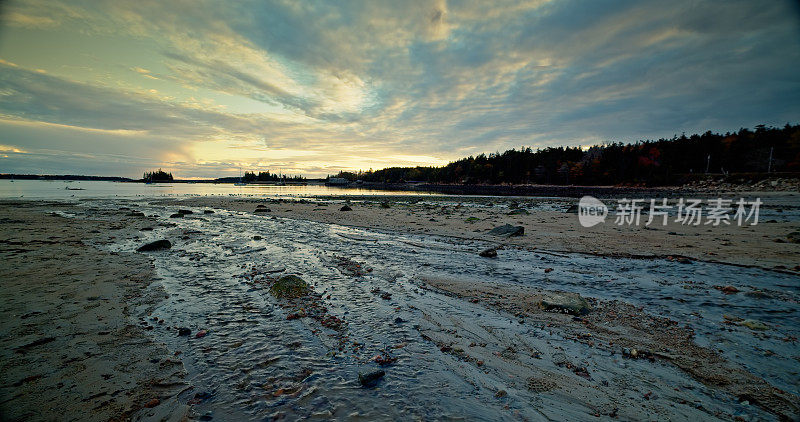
<point x="548" y="226"/>
<point x="275" y="308"/>
<point x="74" y="344"/>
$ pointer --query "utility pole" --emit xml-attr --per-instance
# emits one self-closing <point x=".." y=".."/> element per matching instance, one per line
<point x="708" y="162"/>
<point x="769" y="163"/>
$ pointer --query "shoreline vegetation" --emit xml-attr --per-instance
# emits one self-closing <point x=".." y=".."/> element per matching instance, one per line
<point x="743" y="158"/>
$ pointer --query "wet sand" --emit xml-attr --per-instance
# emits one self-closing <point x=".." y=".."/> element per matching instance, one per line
<point x="74" y="347"/>
<point x="78" y="334"/>
<point x="764" y="245"/>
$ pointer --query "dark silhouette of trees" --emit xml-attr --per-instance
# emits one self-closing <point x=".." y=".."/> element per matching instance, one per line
<point x="266" y="176"/>
<point x="157" y="176"/>
<point x="661" y="162"/>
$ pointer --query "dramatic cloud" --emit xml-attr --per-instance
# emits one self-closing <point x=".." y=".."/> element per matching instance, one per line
<point x="203" y="88"/>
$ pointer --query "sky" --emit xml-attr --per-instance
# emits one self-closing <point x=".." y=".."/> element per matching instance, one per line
<point x="206" y="88"/>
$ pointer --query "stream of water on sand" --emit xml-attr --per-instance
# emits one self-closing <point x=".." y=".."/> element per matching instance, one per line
<point x="254" y="363"/>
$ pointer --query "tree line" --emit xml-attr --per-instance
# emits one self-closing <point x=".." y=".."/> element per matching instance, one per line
<point x="662" y="162"/>
<point x="266" y="176"/>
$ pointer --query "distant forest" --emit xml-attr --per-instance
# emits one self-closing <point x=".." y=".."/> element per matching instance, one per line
<point x="661" y="162"/>
<point x="265" y="176"/>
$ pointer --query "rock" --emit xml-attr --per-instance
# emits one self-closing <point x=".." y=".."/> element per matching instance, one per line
<point x="201" y="334"/>
<point x="183" y="331"/>
<point x="370" y="378"/>
<point x="630" y="353"/>
<point x="155" y="246"/>
<point x="754" y="325"/>
<point x="290" y="286"/>
<point x="507" y="230"/>
<point x="152" y="403"/>
<point x="519" y="211"/>
<point x="489" y="253"/>
<point x="547" y="270"/>
<point x="385" y="205"/>
<point x="185" y="212"/>
<point x="793" y="237"/>
<point x="136" y="214"/>
<point x="262" y="208"/>
<point x="345" y="208"/>
<point x="177" y="215"/>
<point x="683" y="260"/>
<point x="500" y="393"/>
<point x="256" y="237"/>
<point x="727" y="289"/>
<point x="571" y="303"/>
<point x="208" y="212"/>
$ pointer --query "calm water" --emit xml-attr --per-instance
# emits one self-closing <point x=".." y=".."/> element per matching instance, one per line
<point x="44" y="189"/>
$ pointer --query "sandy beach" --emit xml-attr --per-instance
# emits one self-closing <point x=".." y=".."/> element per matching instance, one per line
<point x="91" y="325"/>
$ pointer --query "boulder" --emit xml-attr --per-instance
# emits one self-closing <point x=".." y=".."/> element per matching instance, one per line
<point x="155" y="246"/>
<point x="370" y="378"/>
<point x="208" y="211"/>
<point x="571" y="303"/>
<point x="489" y="253"/>
<point x="507" y="230"/>
<point x="794" y="237"/>
<point x="185" y="212"/>
<point x="345" y="208"/>
<point x="290" y="286"/>
<point x="176" y="215"/>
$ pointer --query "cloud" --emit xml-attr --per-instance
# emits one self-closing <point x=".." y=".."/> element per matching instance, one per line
<point x="374" y="83"/>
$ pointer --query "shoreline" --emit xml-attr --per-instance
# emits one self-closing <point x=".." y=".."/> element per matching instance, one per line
<point x="74" y="343"/>
<point x="764" y="245"/>
<point x="119" y="282"/>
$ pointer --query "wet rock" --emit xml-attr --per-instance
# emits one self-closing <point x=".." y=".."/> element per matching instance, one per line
<point x="152" y="403"/>
<point x="185" y="212"/>
<point x="794" y="237"/>
<point x="519" y="211"/>
<point x="345" y="208"/>
<point x="370" y="378"/>
<point x="754" y="325"/>
<point x="290" y="286"/>
<point x="728" y="290"/>
<point x="176" y="215"/>
<point x="256" y="237"/>
<point x="155" y="246"/>
<point x="500" y="394"/>
<point x="507" y="230"/>
<point x="262" y="209"/>
<point x="184" y="331"/>
<point x="208" y="212"/>
<point x="201" y="334"/>
<point x="136" y="214"/>
<point x="489" y="253"/>
<point x="571" y="303"/>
